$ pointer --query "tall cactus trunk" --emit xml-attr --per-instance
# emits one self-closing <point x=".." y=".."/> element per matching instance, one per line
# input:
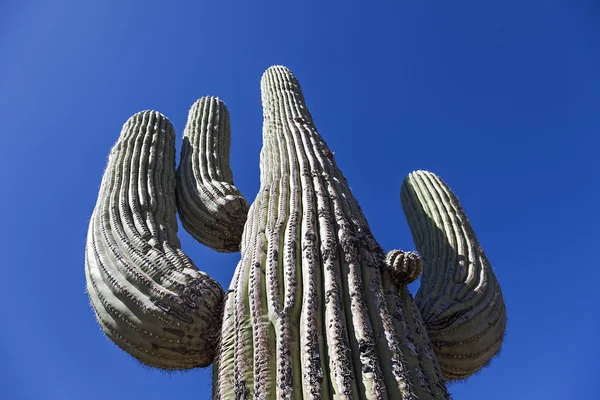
<point x="312" y="311"/>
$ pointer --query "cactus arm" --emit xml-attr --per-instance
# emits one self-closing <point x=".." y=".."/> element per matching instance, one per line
<point x="404" y="267"/>
<point x="148" y="296"/>
<point x="309" y="299"/>
<point x="459" y="298"/>
<point x="419" y="357"/>
<point x="210" y="207"/>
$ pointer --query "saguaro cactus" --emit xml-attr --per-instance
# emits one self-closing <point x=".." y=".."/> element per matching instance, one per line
<point x="315" y="308"/>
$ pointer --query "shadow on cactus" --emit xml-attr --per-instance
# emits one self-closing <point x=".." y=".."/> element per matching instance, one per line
<point x="315" y="308"/>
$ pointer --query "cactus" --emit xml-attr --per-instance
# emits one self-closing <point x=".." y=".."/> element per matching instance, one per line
<point x="210" y="207"/>
<point x="459" y="297"/>
<point x="148" y="296"/>
<point x="315" y="308"/>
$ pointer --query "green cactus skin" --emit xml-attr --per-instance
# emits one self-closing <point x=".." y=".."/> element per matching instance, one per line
<point x="149" y="298"/>
<point x="459" y="297"/>
<point x="315" y="309"/>
<point x="210" y="207"/>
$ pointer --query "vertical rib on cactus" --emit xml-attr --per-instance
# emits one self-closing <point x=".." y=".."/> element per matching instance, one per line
<point x="315" y="310"/>
<point x="210" y="207"/>
<point x="459" y="297"/>
<point x="149" y="298"/>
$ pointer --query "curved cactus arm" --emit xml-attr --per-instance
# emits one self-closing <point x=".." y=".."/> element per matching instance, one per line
<point x="210" y="207"/>
<point x="148" y="296"/>
<point x="459" y="298"/>
<point x="315" y="314"/>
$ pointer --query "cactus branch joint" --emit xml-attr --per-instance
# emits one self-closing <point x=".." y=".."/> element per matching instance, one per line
<point x="315" y="308"/>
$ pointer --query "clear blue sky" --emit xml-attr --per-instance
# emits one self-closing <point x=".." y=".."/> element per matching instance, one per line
<point x="501" y="99"/>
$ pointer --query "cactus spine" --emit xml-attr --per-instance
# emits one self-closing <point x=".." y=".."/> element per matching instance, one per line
<point x="315" y="309"/>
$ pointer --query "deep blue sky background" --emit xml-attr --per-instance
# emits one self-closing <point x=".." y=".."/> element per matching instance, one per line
<point x="501" y="100"/>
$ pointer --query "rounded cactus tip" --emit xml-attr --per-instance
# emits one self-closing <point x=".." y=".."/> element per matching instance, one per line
<point x="144" y="118"/>
<point x="418" y="172"/>
<point x="206" y="99"/>
<point x="278" y="68"/>
<point x="280" y="74"/>
<point x="143" y="113"/>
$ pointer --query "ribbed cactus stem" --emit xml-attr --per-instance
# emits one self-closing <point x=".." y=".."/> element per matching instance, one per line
<point x="149" y="298"/>
<point x="312" y="311"/>
<point x="459" y="297"/>
<point x="210" y="207"/>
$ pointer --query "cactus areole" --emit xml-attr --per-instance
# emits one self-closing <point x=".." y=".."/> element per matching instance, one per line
<point x="315" y="309"/>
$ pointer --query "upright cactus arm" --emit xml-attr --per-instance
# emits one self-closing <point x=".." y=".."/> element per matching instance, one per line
<point x="148" y="296"/>
<point x="459" y="298"/>
<point x="210" y="207"/>
<point x="310" y="312"/>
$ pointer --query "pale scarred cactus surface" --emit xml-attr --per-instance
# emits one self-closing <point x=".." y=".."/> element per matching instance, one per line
<point x="315" y="308"/>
